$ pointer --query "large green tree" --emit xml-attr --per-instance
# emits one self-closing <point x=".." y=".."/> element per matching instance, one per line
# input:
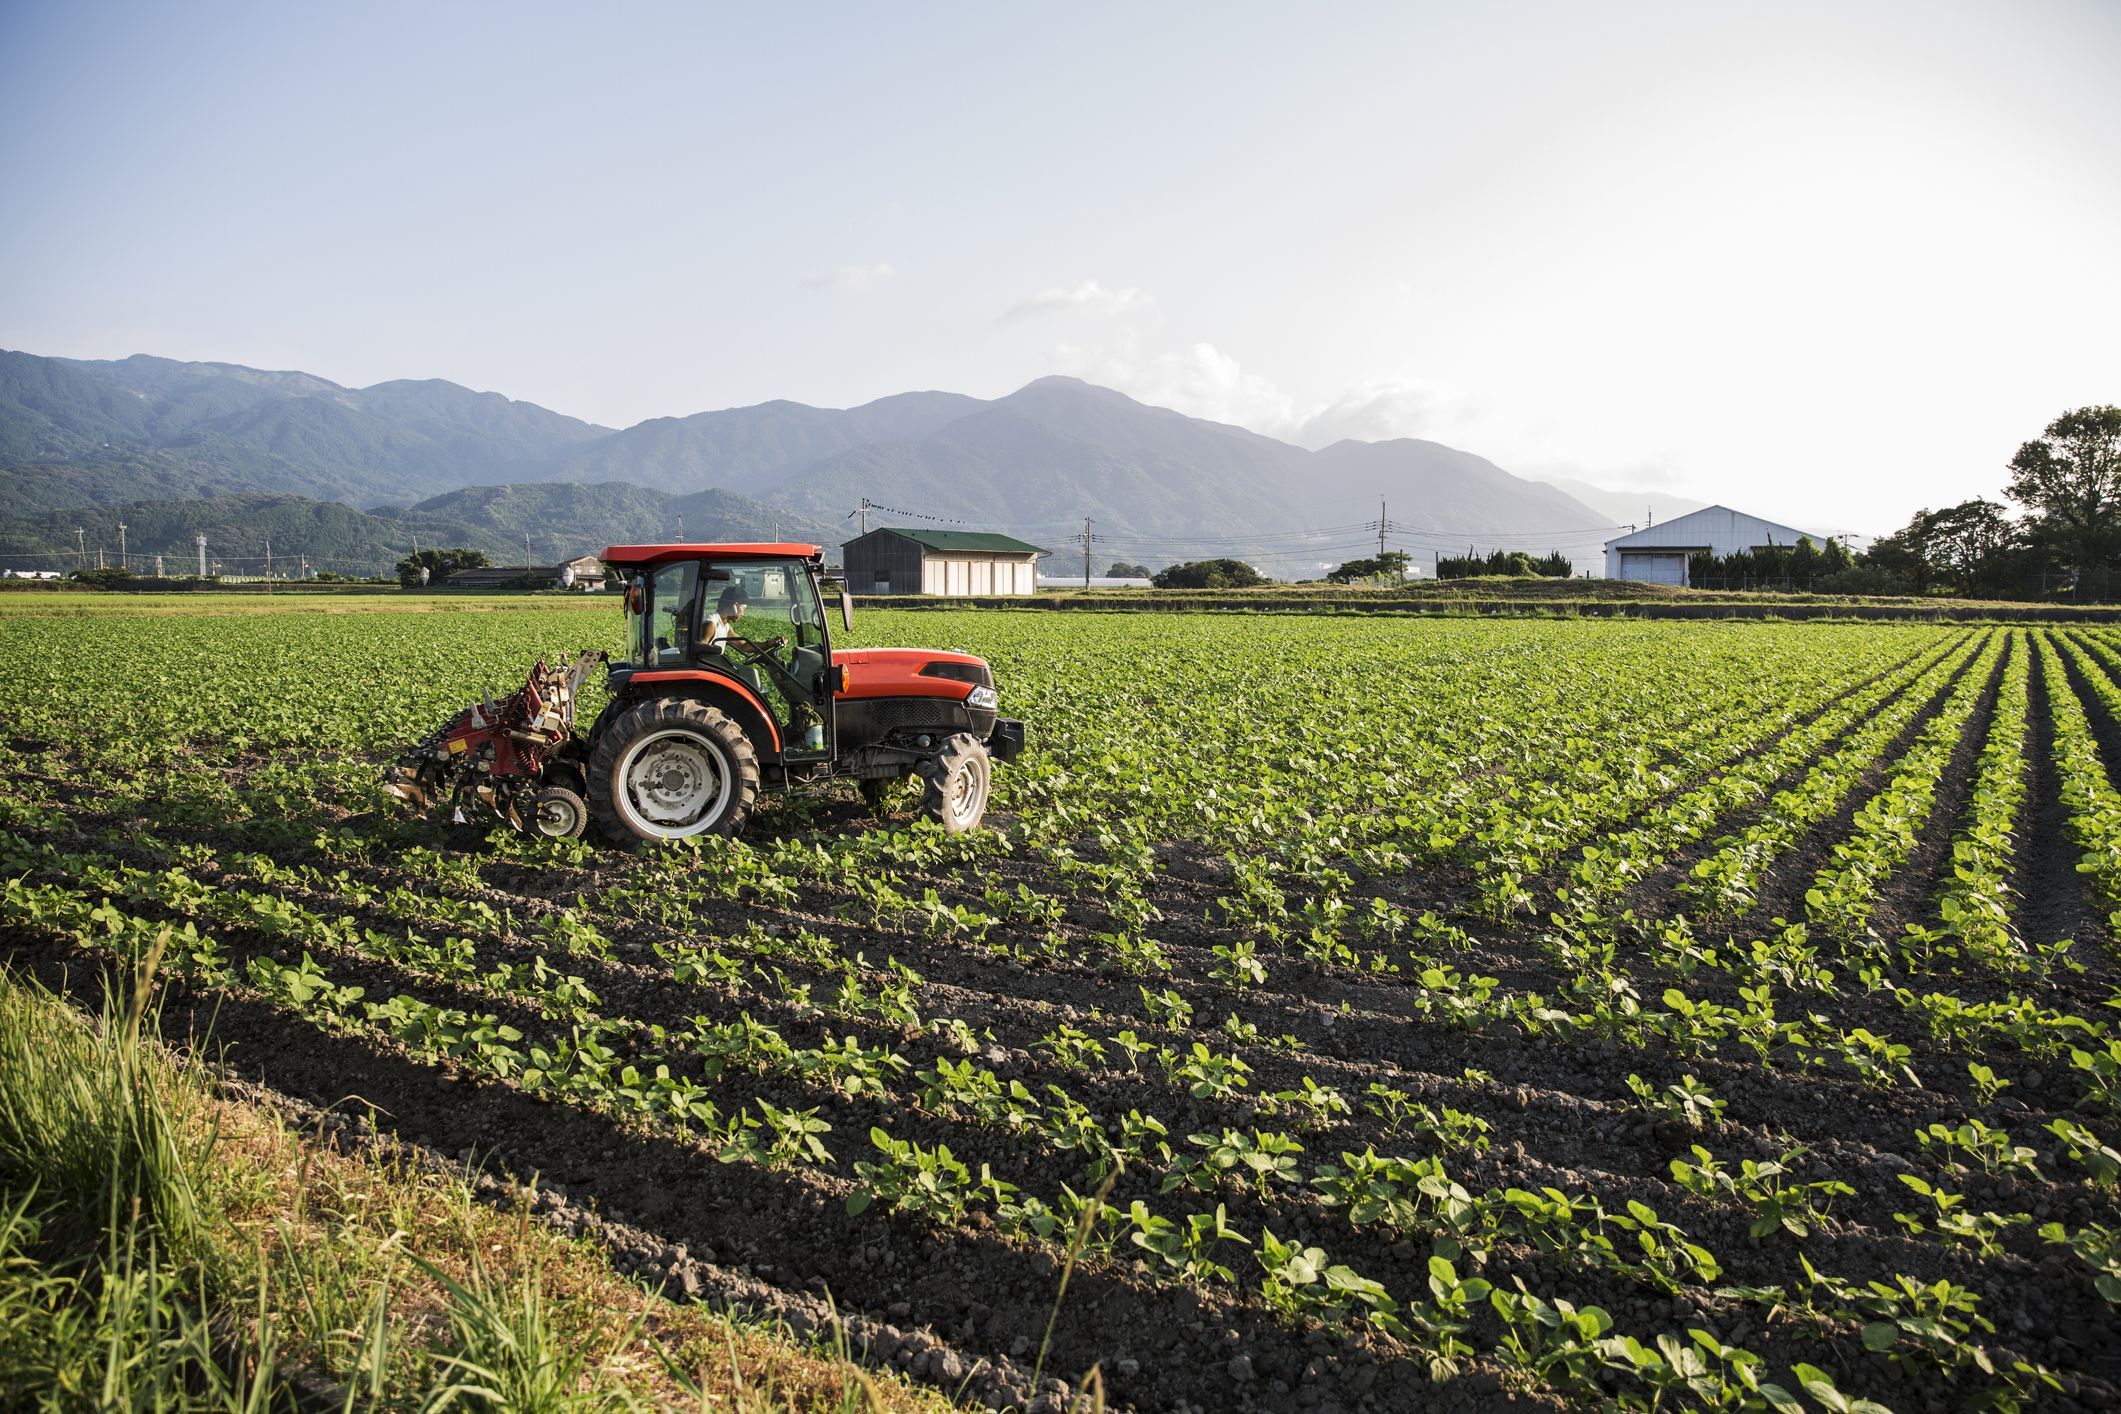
<point x="439" y="564"/>
<point x="1208" y="574"/>
<point x="1390" y="567"/>
<point x="1969" y="548"/>
<point x="2070" y="479"/>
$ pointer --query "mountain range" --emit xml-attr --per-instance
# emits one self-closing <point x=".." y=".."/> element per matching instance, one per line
<point x="348" y="477"/>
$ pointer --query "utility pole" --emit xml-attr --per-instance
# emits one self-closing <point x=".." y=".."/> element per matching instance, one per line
<point x="99" y="557"/>
<point x="158" y="567"/>
<point x="80" y="550"/>
<point x="1649" y="515"/>
<point x="1086" y="552"/>
<point x="863" y="511"/>
<point x="1380" y="528"/>
<point x="681" y="528"/>
<point x="121" y="545"/>
<point x="526" y="552"/>
<point x="268" y="563"/>
<point x="200" y="541"/>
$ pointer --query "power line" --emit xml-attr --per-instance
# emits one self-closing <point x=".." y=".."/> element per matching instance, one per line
<point x="868" y="505"/>
<point x="1409" y="532"/>
<point x="1383" y="523"/>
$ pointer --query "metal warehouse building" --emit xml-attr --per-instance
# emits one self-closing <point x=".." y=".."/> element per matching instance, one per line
<point x="894" y="561"/>
<point x="1658" y="554"/>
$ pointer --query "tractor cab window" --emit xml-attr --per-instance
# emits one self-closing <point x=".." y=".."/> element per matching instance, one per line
<point x="761" y="621"/>
<point x="672" y="613"/>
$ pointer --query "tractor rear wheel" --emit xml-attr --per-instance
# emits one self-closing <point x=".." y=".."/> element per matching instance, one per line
<point x="671" y="768"/>
<point x="955" y="783"/>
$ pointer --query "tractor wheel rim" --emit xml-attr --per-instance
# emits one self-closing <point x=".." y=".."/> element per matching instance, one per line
<point x="556" y="817"/>
<point x="672" y="784"/>
<point x="967" y="792"/>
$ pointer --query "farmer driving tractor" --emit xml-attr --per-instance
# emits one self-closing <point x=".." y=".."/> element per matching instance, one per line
<point x="714" y="633"/>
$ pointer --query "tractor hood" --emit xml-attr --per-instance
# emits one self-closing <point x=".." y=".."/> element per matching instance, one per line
<point x="911" y="672"/>
<point x="910" y="660"/>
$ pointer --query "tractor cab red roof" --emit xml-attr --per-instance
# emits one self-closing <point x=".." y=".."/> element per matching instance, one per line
<point x="659" y="554"/>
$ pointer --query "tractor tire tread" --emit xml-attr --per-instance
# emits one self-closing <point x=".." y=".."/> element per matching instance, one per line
<point x="623" y="727"/>
<point x="935" y="774"/>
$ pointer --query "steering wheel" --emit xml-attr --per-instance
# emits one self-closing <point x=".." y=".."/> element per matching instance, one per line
<point x="752" y="652"/>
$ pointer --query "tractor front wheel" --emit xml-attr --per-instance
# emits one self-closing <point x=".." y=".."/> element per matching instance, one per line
<point x="955" y="783"/>
<point x="671" y="768"/>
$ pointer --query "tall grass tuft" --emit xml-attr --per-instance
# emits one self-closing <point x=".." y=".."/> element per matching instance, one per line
<point x="90" y="1124"/>
<point x="506" y="1355"/>
<point x="103" y="1212"/>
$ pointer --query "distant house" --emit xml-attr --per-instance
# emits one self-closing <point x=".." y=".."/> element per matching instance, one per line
<point x="587" y="575"/>
<point x="947" y="562"/>
<point x="1658" y="554"/>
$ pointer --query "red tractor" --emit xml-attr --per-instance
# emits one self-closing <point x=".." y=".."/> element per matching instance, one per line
<point x="730" y="685"/>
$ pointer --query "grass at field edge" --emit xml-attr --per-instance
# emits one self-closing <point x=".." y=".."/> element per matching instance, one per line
<point x="162" y="1246"/>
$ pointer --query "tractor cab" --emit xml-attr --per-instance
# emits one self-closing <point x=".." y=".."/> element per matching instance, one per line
<point x="748" y="614"/>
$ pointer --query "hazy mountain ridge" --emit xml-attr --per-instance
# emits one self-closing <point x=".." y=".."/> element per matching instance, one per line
<point x="1058" y="450"/>
<point x="1163" y="486"/>
<point x="397" y="437"/>
<point x="1443" y="490"/>
<point x="1627" y="507"/>
<point x="1159" y="485"/>
<point x="755" y="449"/>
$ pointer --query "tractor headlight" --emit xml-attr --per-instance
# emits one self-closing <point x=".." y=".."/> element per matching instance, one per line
<point x="985" y="698"/>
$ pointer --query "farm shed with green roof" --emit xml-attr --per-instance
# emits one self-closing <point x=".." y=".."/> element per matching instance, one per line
<point x="892" y="560"/>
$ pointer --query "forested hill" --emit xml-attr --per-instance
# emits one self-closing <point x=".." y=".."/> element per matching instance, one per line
<point x="77" y="431"/>
<point x="562" y="520"/>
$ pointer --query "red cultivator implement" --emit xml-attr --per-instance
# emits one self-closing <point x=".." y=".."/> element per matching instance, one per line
<point x="518" y="756"/>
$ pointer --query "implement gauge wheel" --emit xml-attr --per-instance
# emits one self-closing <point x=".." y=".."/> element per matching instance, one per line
<point x="954" y="784"/>
<point x="671" y="768"/>
<point x="558" y="813"/>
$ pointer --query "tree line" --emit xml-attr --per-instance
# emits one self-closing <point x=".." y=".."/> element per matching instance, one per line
<point x="2065" y="540"/>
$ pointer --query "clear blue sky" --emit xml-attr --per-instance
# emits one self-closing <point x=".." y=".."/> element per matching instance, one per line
<point x="1825" y="261"/>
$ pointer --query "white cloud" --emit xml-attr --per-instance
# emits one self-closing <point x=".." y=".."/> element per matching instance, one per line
<point x="1084" y="296"/>
<point x="851" y="277"/>
<point x="1386" y="408"/>
<point x="1200" y="381"/>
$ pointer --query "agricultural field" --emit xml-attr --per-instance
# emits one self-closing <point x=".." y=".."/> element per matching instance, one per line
<point x="1343" y="1014"/>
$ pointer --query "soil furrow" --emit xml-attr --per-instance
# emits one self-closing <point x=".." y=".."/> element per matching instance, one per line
<point x="2054" y="899"/>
